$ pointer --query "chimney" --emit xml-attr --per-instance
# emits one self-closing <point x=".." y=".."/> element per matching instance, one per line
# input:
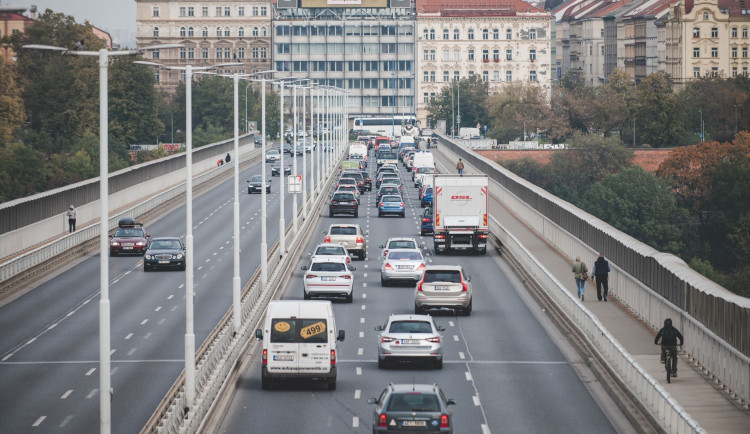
<point x="33" y="12"/>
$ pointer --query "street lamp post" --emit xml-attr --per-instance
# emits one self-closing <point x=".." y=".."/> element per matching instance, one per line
<point x="246" y="124"/>
<point x="735" y="119"/>
<point x="105" y="388"/>
<point x="702" y="130"/>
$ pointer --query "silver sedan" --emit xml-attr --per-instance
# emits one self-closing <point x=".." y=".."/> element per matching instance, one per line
<point x="410" y="338"/>
<point x="402" y="265"/>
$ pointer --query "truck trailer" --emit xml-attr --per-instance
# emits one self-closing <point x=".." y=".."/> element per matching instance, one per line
<point x="460" y="210"/>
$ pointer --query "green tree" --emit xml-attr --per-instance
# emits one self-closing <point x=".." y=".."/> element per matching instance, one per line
<point x="205" y="135"/>
<point x="517" y="106"/>
<point x="658" y="112"/>
<point x="133" y="105"/>
<point x="473" y="96"/>
<point x="528" y="169"/>
<point x="641" y="205"/>
<point x="12" y="113"/>
<point x="714" y="98"/>
<point x="22" y="171"/>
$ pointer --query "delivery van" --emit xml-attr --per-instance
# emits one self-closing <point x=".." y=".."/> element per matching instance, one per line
<point x="299" y="342"/>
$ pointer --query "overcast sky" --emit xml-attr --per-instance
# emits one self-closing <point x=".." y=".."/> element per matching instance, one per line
<point x="115" y="16"/>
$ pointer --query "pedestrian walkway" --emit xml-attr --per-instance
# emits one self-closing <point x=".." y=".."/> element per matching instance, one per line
<point x="708" y="406"/>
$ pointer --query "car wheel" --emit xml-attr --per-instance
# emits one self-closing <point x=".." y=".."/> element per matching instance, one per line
<point x="438" y="364"/>
<point x="330" y="213"/>
<point x="356" y="213"/>
<point x="182" y="267"/>
<point x="422" y="233"/>
<point x="350" y="297"/>
<point x="383" y="282"/>
<point x="382" y="364"/>
<point x="467" y="310"/>
<point x="146" y="268"/>
<point x="403" y="214"/>
<point x="249" y="191"/>
<point x="268" y="191"/>
<point x="266" y="383"/>
<point x="112" y="253"/>
<point x="332" y="384"/>
<point x="380" y="214"/>
<point x="418" y="310"/>
<point x="307" y="296"/>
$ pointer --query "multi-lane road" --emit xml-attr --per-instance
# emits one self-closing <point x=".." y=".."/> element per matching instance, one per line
<point x="49" y="337"/>
<point x="506" y="365"/>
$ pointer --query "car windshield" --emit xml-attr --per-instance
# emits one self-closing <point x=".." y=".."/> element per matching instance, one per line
<point x="343" y="196"/>
<point x="395" y="199"/>
<point x="273" y="152"/>
<point x="453" y="276"/>
<point x="330" y="250"/>
<point x="410" y="327"/>
<point x="343" y="230"/>
<point x="256" y="178"/>
<point x="166" y="244"/>
<point x="129" y="232"/>
<point x="388" y="190"/>
<point x="413" y="402"/>
<point x="387" y="155"/>
<point x="402" y="245"/>
<point x="391" y="181"/>
<point x="328" y="266"/>
<point x="405" y="256"/>
<point x="428" y="191"/>
<point x="425" y="170"/>
<point x="347" y="181"/>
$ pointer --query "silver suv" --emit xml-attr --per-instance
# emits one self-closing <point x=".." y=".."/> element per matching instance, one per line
<point x="350" y="236"/>
<point x="443" y="287"/>
<point x="410" y="338"/>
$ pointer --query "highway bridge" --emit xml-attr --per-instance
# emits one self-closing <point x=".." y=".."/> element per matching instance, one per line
<point x="530" y="358"/>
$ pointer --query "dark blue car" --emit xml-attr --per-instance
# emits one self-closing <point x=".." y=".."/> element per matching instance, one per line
<point x="427" y="197"/>
<point x="426" y="221"/>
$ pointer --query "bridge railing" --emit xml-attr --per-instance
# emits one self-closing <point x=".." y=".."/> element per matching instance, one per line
<point x="654" y="285"/>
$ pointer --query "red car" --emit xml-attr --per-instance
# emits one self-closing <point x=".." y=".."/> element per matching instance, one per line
<point x="129" y="237"/>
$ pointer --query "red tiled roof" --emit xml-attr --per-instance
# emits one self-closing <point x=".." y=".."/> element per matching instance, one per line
<point x="13" y="16"/>
<point x="735" y="7"/>
<point x="605" y="8"/>
<point x="475" y="8"/>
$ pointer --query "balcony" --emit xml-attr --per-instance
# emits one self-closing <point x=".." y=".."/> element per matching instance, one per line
<point x="486" y="60"/>
<point x="496" y="60"/>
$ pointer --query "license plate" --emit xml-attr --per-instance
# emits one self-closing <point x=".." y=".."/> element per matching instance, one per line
<point x="404" y="267"/>
<point x="328" y="279"/>
<point x="284" y="357"/>
<point x="413" y="423"/>
<point x="442" y="288"/>
<point x="409" y="341"/>
<point x="127" y="248"/>
<point x="164" y="262"/>
<point x="344" y="203"/>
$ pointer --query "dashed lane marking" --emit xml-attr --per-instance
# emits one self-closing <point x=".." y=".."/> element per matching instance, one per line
<point x="355" y="422"/>
<point x="359" y="370"/>
<point x="461" y="355"/>
<point x="468" y="376"/>
<point x="170" y="297"/>
<point x="364" y="306"/>
<point x="455" y="338"/>
<point x="132" y="351"/>
<point x="39" y="421"/>
<point x="90" y="371"/>
<point x="361" y="334"/>
<point x="65" y="421"/>
<point x="92" y="393"/>
<point x="476" y="400"/>
<point x="357" y="394"/>
<point x="361" y="320"/>
<point x="144" y="321"/>
<point x="360" y="351"/>
<point x="66" y="394"/>
<point x="158" y="308"/>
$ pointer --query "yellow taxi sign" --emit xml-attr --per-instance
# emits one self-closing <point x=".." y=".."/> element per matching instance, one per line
<point x="282" y="327"/>
<point x="313" y="330"/>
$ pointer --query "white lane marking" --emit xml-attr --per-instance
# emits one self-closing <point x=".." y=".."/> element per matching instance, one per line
<point x="361" y="334"/>
<point x="450" y="323"/>
<point x="52" y="326"/>
<point x="30" y="341"/>
<point x="455" y="338"/>
<point x="365" y="265"/>
<point x="476" y="400"/>
<point x="468" y="375"/>
<point x="131" y="352"/>
<point x="359" y="370"/>
<point x="112" y="372"/>
<point x="364" y="295"/>
<point x="92" y="393"/>
<point x="485" y="429"/>
<point x="360" y="351"/>
<point x="182" y="285"/>
<point x="364" y="285"/>
<point x="158" y="308"/>
<point x="364" y="306"/>
<point x="170" y="297"/>
<point x="173" y="309"/>
<point x="72" y="311"/>
<point x="200" y="268"/>
<point x="112" y="352"/>
<point x="208" y="260"/>
<point x="461" y="355"/>
<point x="215" y="253"/>
<point x="357" y="394"/>
<point x="39" y="421"/>
<point x="361" y="320"/>
<point x="66" y="394"/>
<point x="220" y="248"/>
<point x="364" y="275"/>
<point x="355" y="422"/>
<point x="161" y="321"/>
<point x="11" y="355"/>
<point x="65" y="421"/>
<point x="144" y="321"/>
<point x="91" y="371"/>
<point x="147" y="335"/>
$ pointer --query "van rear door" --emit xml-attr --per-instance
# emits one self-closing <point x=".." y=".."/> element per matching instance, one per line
<point x="283" y="355"/>
<point x="314" y="350"/>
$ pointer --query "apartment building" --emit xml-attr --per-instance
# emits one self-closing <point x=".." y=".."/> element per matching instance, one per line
<point x="502" y="41"/>
<point x="212" y="32"/>
<point x="13" y="21"/>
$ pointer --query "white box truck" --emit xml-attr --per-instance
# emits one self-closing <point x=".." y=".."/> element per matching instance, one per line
<point x="460" y="210"/>
<point x="299" y="341"/>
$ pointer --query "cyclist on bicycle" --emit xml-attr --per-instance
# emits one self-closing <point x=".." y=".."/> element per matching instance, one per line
<point x="669" y="336"/>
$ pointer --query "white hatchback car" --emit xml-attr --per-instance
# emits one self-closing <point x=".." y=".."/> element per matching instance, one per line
<point x="328" y="250"/>
<point x="329" y="277"/>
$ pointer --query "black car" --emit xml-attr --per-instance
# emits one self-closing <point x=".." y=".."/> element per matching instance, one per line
<point x="357" y="175"/>
<point x="386" y="189"/>
<point x="412" y="407"/>
<point x="276" y="168"/>
<point x="164" y="252"/>
<point x="255" y="184"/>
<point x="368" y="180"/>
<point x="343" y="203"/>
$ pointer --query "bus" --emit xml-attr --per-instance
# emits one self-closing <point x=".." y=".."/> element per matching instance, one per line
<point x="384" y="125"/>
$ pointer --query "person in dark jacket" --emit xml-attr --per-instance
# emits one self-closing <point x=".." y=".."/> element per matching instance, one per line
<point x="669" y="336"/>
<point x="227" y="159"/>
<point x="601" y="277"/>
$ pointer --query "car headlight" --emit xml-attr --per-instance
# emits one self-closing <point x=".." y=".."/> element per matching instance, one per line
<point x="114" y="243"/>
<point x="140" y="243"/>
<point x="147" y="256"/>
<point x="179" y="256"/>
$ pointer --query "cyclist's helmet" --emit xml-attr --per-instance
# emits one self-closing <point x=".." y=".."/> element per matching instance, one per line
<point x="668" y="322"/>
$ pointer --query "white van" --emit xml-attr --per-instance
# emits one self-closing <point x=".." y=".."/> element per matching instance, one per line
<point x="300" y="342"/>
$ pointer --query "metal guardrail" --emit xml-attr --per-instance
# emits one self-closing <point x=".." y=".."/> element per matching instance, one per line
<point x="222" y="349"/>
<point x="22" y="263"/>
<point x="657" y="400"/>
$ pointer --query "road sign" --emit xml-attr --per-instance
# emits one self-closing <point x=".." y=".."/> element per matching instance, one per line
<point x="295" y="184"/>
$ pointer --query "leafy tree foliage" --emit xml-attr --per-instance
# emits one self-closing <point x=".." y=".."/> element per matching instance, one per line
<point x="658" y="112"/>
<point x="12" y="113"/>
<point x="528" y="169"/>
<point x="716" y="98"/>
<point x="520" y="105"/>
<point x="22" y="171"/>
<point x="473" y="96"/>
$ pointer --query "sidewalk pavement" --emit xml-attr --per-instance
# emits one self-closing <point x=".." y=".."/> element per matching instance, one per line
<point x="713" y="411"/>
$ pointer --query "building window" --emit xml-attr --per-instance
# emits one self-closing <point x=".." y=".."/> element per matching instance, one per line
<point x="532" y="34"/>
<point x="156" y="32"/>
<point x="471" y="55"/>
<point x="432" y="76"/>
<point x="485" y="56"/>
<point x="734" y="71"/>
<point x="532" y="75"/>
<point x="734" y="52"/>
<point x="456" y="34"/>
<point x="446" y="55"/>
<point x="696" y="52"/>
<point x="744" y="71"/>
<point x="157" y="75"/>
<point x="183" y="76"/>
<point x="532" y="55"/>
<point x="601" y="32"/>
<point x="182" y="32"/>
<point x="255" y="31"/>
<point x="714" y="71"/>
<point x="283" y="48"/>
<point x="485" y="34"/>
<point x="714" y="32"/>
<point x="263" y="11"/>
<point x="182" y="53"/>
<point x="734" y="32"/>
<point x="432" y="33"/>
<point x="263" y="52"/>
<point x="241" y="32"/>
<point x="183" y="11"/>
<point x="191" y="31"/>
<point x="744" y="32"/>
<point x="696" y="32"/>
<point x="204" y="32"/>
<point x="705" y="15"/>
<point x="446" y="34"/>
<point x="697" y="72"/>
<point x="456" y="55"/>
<point x="496" y="56"/>
<point x="446" y="76"/>
<point x="155" y="54"/>
<point x="432" y="55"/>
<point x="241" y="11"/>
<point x="241" y="53"/>
<point x="508" y="34"/>
<point x="218" y="11"/>
<point x="426" y="34"/>
<point x="218" y="52"/>
<point x="204" y="11"/>
<point x="255" y="11"/>
<point x="226" y="31"/>
<point x="509" y="54"/>
<point x="508" y="75"/>
<point x="471" y="34"/>
<point x="227" y="53"/>
<point x="485" y="76"/>
<point x="263" y="31"/>
<point x="204" y="52"/>
<point x="744" y="52"/>
<point x="191" y="11"/>
<point x="496" y="34"/>
<point x="155" y="12"/>
<point x="426" y="55"/>
<point x="218" y="32"/>
<point x="191" y="53"/>
<point x="456" y="75"/>
<point x="426" y="76"/>
<point x="426" y="97"/>
<point x="495" y="76"/>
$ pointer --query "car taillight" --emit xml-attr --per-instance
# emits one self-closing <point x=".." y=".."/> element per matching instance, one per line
<point x="387" y="266"/>
<point x="334" y="202"/>
<point x="444" y="421"/>
<point x="425" y="220"/>
<point x="402" y="204"/>
<point x="382" y="420"/>
<point x="385" y="252"/>
<point x="421" y="267"/>
<point x="419" y="285"/>
<point x="466" y="286"/>
<point x="265" y="357"/>
<point x="310" y="276"/>
<point x="360" y="240"/>
<point x="327" y="239"/>
<point x="333" y="357"/>
<point x="433" y="340"/>
<point x="348" y="260"/>
<point x="346" y="276"/>
<point x="439" y="237"/>
<point x="483" y="236"/>
<point x="380" y="204"/>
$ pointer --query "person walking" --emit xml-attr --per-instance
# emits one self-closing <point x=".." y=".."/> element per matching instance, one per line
<point x="460" y="167"/>
<point x="601" y="276"/>
<point x="581" y="274"/>
<point x="669" y="336"/>
<point x="227" y="159"/>
<point x="72" y="216"/>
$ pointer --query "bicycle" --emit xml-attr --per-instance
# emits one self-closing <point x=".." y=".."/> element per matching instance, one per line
<point x="670" y="359"/>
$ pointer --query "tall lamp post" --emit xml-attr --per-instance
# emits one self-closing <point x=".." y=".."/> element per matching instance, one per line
<point x="189" y="331"/>
<point x="282" y="219"/>
<point x="703" y="137"/>
<point x="105" y="388"/>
